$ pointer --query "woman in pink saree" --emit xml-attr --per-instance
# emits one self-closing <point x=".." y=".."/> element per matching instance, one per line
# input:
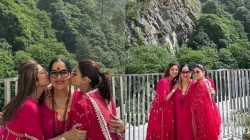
<point x="161" y="119"/>
<point x="181" y="106"/>
<point x="203" y="114"/>
<point x="96" y="110"/>
<point x="22" y="114"/>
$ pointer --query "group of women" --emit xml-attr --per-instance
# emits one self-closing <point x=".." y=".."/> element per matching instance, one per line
<point x="41" y="111"/>
<point x="183" y="108"/>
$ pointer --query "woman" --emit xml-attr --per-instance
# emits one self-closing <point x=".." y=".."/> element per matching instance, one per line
<point x="181" y="106"/>
<point x="96" y="110"/>
<point x="203" y="111"/>
<point x="57" y="104"/>
<point x="22" y="114"/>
<point x="161" y="118"/>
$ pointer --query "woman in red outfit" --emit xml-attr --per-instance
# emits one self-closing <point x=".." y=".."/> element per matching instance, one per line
<point x="161" y="118"/>
<point x="203" y="112"/>
<point x="22" y="114"/>
<point x="96" y="110"/>
<point x="181" y="106"/>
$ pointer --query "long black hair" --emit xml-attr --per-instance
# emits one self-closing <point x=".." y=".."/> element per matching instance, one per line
<point x="98" y="79"/>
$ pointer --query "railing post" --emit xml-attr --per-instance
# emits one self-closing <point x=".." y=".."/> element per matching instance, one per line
<point x="6" y="91"/>
<point x="121" y="97"/>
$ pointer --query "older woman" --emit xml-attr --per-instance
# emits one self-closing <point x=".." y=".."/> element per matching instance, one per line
<point x="181" y="106"/>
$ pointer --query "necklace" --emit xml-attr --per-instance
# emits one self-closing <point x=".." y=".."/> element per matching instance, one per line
<point x="61" y="117"/>
<point x="182" y="98"/>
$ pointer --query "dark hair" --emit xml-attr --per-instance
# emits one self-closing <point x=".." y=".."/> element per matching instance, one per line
<point x="182" y="66"/>
<point x="199" y="66"/>
<point x="58" y="59"/>
<point x="62" y="59"/>
<point x="91" y="69"/>
<point x="202" y="68"/>
<point x="167" y="70"/>
<point x="26" y="84"/>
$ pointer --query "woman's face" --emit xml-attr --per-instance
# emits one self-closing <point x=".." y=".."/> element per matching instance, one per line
<point x="59" y="76"/>
<point x="185" y="74"/>
<point x="198" y="74"/>
<point x="43" y="79"/>
<point x="76" y="78"/>
<point x="173" y="72"/>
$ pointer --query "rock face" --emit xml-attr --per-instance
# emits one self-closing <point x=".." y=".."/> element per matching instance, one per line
<point x="164" y="22"/>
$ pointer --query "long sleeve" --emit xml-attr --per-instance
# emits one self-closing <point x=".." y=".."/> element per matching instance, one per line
<point x="31" y="119"/>
<point x="163" y="89"/>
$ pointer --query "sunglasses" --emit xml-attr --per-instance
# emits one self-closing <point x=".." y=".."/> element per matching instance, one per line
<point x="185" y="72"/>
<point x="196" y="72"/>
<point x="62" y="73"/>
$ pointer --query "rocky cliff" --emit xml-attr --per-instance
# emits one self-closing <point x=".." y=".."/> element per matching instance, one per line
<point x="164" y="22"/>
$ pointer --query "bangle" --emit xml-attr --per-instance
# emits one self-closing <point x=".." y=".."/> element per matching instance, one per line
<point x="173" y="90"/>
<point x="62" y="137"/>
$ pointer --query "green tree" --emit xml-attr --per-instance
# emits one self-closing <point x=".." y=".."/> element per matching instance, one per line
<point x="147" y="59"/>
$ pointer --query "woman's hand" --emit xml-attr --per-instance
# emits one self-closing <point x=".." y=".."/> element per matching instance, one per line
<point x="30" y="137"/>
<point x="212" y="91"/>
<point x="75" y="133"/>
<point x="116" y="125"/>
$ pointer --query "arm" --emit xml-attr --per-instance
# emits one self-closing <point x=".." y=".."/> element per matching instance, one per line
<point x="116" y="125"/>
<point x="31" y="122"/>
<point x="177" y="85"/>
<point x="163" y="89"/>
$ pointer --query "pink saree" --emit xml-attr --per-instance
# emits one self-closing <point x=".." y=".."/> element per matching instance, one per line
<point x="161" y="118"/>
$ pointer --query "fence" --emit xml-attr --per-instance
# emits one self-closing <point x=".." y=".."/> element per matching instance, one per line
<point x="134" y="92"/>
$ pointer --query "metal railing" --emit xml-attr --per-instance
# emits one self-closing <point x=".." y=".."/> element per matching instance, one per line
<point x="133" y="94"/>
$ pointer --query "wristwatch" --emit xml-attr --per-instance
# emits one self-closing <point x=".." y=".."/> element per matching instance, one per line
<point x="62" y="137"/>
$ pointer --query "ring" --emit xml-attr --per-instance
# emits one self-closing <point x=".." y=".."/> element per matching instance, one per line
<point x="118" y="126"/>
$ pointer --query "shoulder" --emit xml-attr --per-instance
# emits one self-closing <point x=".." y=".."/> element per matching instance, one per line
<point x="164" y="81"/>
<point x="30" y="105"/>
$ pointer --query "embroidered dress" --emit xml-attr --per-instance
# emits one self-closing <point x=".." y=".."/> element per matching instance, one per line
<point x="201" y="114"/>
<point x="27" y="121"/>
<point x="161" y="118"/>
<point x="94" y="113"/>
<point x="181" y="108"/>
<point x="47" y="117"/>
<point x="210" y="84"/>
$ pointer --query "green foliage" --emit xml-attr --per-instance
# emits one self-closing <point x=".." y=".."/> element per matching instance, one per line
<point x="79" y="29"/>
<point x="20" y="57"/>
<point x="240" y="53"/>
<point x="221" y="31"/>
<point x="147" y="59"/>
<point x="133" y="9"/>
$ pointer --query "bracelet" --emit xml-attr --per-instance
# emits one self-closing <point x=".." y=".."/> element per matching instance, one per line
<point x="173" y="90"/>
<point x="62" y="137"/>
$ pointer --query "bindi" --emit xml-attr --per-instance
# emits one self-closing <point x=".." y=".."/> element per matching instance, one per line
<point x="58" y="68"/>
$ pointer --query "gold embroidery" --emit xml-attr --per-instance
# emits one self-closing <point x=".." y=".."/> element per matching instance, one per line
<point x="14" y="133"/>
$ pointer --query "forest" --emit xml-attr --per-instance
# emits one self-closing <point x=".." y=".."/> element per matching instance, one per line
<point x="75" y="29"/>
<point x="219" y="41"/>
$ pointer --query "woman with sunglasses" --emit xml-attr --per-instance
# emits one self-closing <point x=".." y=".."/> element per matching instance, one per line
<point x="58" y="103"/>
<point x="22" y="114"/>
<point x="161" y="119"/>
<point x="181" y="107"/>
<point x="203" y="112"/>
<point x="96" y="110"/>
